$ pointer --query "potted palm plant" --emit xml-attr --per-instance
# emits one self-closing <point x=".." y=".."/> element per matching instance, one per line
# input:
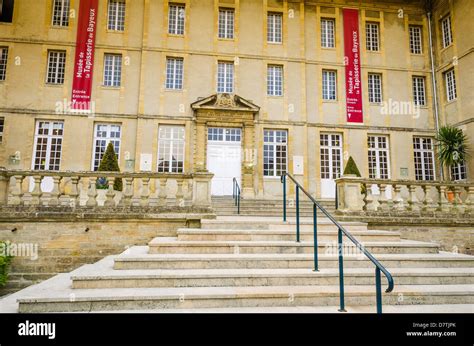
<point x="452" y="149"/>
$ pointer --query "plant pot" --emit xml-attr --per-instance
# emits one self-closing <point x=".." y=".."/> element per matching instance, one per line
<point x="450" y="196"/>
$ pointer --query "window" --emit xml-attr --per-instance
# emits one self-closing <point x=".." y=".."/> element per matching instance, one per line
<point x="3" y="62"/>
<point x="415" y="39"/>
<point x="329" y="85"/>
<point x="379" y="165"/>
<point x="2" y="123"/>
<point x="116" y="15"/>
<point x="56" y="67"/>
<point x="274" y="80"/>
<point x="375" y="88"/>
<point x="451" y="90"/>
<point x="103" y="135"/>
<point x="226" y="23"/>
<point x="331" y="154"/>
<point x="447" y="32"/>
<point x="327" y="33"/>
<point x="225" y="77"/>
<point x="424" y="158"/>
<point x="274" y="152"/>
<point x="176" y="17"/>
<point x="459" y="172"/>
<point x="112" y="70"/>
<point x="171" y="149"/>
<point x="419" y="94"/>
<point x="274" y="27"/>
<point x="48" y="145"/>
<point x="6" y="11"/>
<point x="372" y="36"/>
<point x="174" y="73"/>
<point x="224" y="135"/>
<point x="60" y="13"/>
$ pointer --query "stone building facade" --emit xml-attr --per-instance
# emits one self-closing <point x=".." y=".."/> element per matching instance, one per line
<point x="246" y="89"/>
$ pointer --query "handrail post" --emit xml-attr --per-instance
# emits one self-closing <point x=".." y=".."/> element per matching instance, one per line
<point x="341" y="271"/>
<point x="378" y="288"/>
<point x="297" y="214"/>
<point x="233" y="189"/>
<point x="284" y="197"/>
<point x="315" y="235"/>
<point x="238" y="201"/>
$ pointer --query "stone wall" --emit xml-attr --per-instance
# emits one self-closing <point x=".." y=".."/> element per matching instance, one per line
<point x="64" y="243"/>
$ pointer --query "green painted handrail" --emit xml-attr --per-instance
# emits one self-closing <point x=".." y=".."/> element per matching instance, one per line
<point x="341" y="230"/>
<point x="236" y="195"/>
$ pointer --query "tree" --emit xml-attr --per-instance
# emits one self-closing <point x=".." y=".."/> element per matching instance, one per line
<point x="109" y="163"/>
<point x="351" y="168"/>
<point x="452" y="144"/>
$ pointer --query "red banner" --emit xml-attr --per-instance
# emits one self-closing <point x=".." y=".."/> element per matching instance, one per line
<point x="352" y="62"/>
<point x="84" y="62"/>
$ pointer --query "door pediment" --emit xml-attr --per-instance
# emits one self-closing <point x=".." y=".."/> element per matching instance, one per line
<point x="225" y="102"/>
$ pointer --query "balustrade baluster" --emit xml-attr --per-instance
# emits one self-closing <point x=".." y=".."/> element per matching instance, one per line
<point x="413" y="202"/>
<point x="109" y="202"/>
<point x="36" y="193"/>
<point x="469" y="202"/>
<point x="162" y="195"/>
<point x="56" y="192"/>
<point x="145" y="194"/>
<point x="398" y="203"/>
<point x="428" y="205"/>
<point x="127" y="194"/>
<point x="369" y="204"/>
<point x="443" y="203"/>
<point x="75" y="193"/>
<point x="92" y="193"/>
<point x="457" y="202"/>
<point x="16" y="190"/>
<point x="179" y="193"/>
<point x="383" y="201"/>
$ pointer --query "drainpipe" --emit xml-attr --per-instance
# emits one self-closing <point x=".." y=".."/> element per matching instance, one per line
<point x="433" y="76"/>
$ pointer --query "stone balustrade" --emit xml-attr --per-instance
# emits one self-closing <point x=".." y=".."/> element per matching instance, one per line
<point x="376" y="196"/>
<point x="96" y="189"/>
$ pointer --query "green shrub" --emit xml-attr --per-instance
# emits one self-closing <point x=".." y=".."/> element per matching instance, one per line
<point x="351" y="168"/>
<point x="109" y="163"/>
<point x="5" y="261"/>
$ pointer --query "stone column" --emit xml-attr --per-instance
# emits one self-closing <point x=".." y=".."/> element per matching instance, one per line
<point x="248" y="158"/>
<point x="202" y="189"/>
<point x="200" y="147"/>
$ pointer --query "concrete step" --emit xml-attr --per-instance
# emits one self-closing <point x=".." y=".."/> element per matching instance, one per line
<point x="197" y="234"/>
<point x="172" y="245"/>
<point x="110" y="278"/>
<point x="275" y="223"/>
<point x="138" y="258"/>
<point x="79" y="300"/>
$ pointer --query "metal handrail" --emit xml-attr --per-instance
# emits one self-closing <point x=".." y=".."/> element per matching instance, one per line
<point x="236" y="195"/>
<point x="341" y="231"/>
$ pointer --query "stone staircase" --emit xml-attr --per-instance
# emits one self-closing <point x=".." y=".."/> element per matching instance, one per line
<point x="244" y="262"/>
<point x="268" y="207"/>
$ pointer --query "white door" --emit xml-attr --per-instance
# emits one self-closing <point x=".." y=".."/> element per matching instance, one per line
<point x="331" y="163"/>
<point x="224" y="159"/>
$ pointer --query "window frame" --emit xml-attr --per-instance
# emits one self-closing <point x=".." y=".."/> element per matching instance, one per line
<point x="2" y="129"/>
<point x="459" y="172"/>
<point x="374" y="96"/>
<point x="228" y="24"/>
<point x="48" y="146"/>
<point x="416" y="39"/>
<point x="372" y="39"/>
<point x="446" y="31"/>
<point x="451" y="85"/>
<point x="331" y="168"/>
<point x="116" y="141"/>
<point x="116" y="12"/>
<point x="112" y="82"/>
<point x="274" y="27"/>
<point x="175" y="77"/>
<point x="62" y="11"/>
<point x="177" y="19"/>
<point x="275" y="147"/>
<point x="328" y="37"/>
<point x="168" y="145"/>
<point x="326" y="85"/>
<point x="376" y="170"/>
<point x="275" y="86"/>
<point x="56" y="74"/>
<point x="223" y="77"/>
<point x="421" y="173"/>
<point x="3" y="63"/>
<point x="419" y="91"/>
